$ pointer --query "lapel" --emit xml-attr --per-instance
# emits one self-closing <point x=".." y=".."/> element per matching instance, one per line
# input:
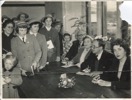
<point x="126" y="69"/>
<point x="88" y="53"/>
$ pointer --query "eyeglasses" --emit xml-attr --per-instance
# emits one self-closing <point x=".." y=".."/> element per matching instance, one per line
<point x="9" y="27"/>
<point x="94" y="47"/>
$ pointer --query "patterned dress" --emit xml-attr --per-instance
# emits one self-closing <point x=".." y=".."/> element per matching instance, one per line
<point x="66" y="48"/>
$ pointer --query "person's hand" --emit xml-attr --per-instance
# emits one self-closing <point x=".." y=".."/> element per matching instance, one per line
<point x="24" y="72"/>
<point x="95" y="73"/>
<point x="104" y="83"/>
<point x="57" y="58"/>
<point x="96" y="79"/>
<point x="7" y="80"/>
<point x="34" y="64"/>
<point x="41" y="67"/>
<point x="87" y="70"/>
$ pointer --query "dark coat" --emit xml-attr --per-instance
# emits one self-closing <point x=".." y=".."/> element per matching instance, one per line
<point x="111" y="75"/>
<point x="73" y="50"/>
<point x="104" y="62"/>
<point x="6" y="43"/>
<point x="76" y="59"/>
<point x="54" y="37"/>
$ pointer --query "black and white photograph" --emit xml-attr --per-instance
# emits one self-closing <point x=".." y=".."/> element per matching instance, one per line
<point x="65" y="49"/>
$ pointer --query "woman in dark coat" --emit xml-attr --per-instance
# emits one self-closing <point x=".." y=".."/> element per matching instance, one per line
<point x="119" y="75"/>
<point x="7" y="35"/>
<point x="52" y="39"/>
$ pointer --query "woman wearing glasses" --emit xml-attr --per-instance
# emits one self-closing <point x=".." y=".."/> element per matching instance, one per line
<point x="7" y="35"/>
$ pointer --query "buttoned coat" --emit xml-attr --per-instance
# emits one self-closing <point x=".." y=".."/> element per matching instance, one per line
<point x="27" y="52"/>
<point x="43" y="46"/>
<point x="10" y="90"/>
<point x="52" y="35"/>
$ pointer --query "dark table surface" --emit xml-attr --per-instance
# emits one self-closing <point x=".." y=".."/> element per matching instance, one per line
<point x="45" y="85"/>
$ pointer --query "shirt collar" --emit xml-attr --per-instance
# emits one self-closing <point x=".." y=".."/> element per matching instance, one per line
<point x="30" y="32"/>
<point x="99" y="55"/>
<point x="48" y="28"/>
<point x="25" y="38"/>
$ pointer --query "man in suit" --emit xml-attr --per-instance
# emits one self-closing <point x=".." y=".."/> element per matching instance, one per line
<point x="100" y="60"/>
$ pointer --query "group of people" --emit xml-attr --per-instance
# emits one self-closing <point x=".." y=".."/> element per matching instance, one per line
<point x="31" y="46"/>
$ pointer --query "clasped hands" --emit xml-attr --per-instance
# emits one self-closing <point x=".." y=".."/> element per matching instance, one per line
<point x="97" y="80"/>
<point x="7" y="80"/>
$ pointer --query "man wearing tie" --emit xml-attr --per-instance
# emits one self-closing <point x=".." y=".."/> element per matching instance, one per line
<point x="100" y="60"/>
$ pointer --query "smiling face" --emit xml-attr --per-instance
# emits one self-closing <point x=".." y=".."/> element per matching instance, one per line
<point x="119" y="52"/>
<point x="87" y="43"/>
<point x="34" y="28"/>
<point x="8" y="29"/>
<point x="22" y="31"/>
<point x="48" y="22"/>
<point x="8" y="64"/>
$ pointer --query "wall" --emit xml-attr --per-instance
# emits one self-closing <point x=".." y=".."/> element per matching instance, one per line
<point x="70" y="10"/>
<point x="33" y="12"/>
<point x="54" y="8"/>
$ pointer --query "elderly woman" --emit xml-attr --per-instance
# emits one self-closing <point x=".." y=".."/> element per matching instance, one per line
<point x="52" y="39"/>
<point x="118" y="76"/>
<point x="7" y="35"/>
<point x="83" y="51"/>
<point x="26" y="48"/>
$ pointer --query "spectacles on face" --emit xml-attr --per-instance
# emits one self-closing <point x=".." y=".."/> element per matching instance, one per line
<point x="10" y="27"/>
<point x="94" y="47"/>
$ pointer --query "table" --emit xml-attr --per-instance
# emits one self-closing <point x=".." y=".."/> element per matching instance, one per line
<point x="45" y="85"/>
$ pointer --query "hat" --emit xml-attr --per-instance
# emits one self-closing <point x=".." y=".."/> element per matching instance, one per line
<point x="22" y="13"/>
<point x="22" y="25"/>
<point x="47" y="16"/>
<point x="31" y="22"/>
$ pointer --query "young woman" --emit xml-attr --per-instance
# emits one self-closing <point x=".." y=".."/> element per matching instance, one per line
<point x="26" y="48"/>
<point x="119" y="74"/>
<point x="34" y="28"/>
<point x="52" y="39"/>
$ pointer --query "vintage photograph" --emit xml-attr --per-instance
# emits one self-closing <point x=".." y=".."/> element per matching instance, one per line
<point x="65" y="49"/>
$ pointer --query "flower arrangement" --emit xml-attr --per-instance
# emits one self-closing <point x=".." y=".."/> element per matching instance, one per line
<point x="66" y="82"/>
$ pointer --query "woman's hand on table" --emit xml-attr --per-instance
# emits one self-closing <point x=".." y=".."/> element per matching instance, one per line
<point x="104" y="83"/>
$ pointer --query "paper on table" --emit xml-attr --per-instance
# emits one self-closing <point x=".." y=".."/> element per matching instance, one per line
<point x="50" y="44"/>
<point x="67" y="65"/>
